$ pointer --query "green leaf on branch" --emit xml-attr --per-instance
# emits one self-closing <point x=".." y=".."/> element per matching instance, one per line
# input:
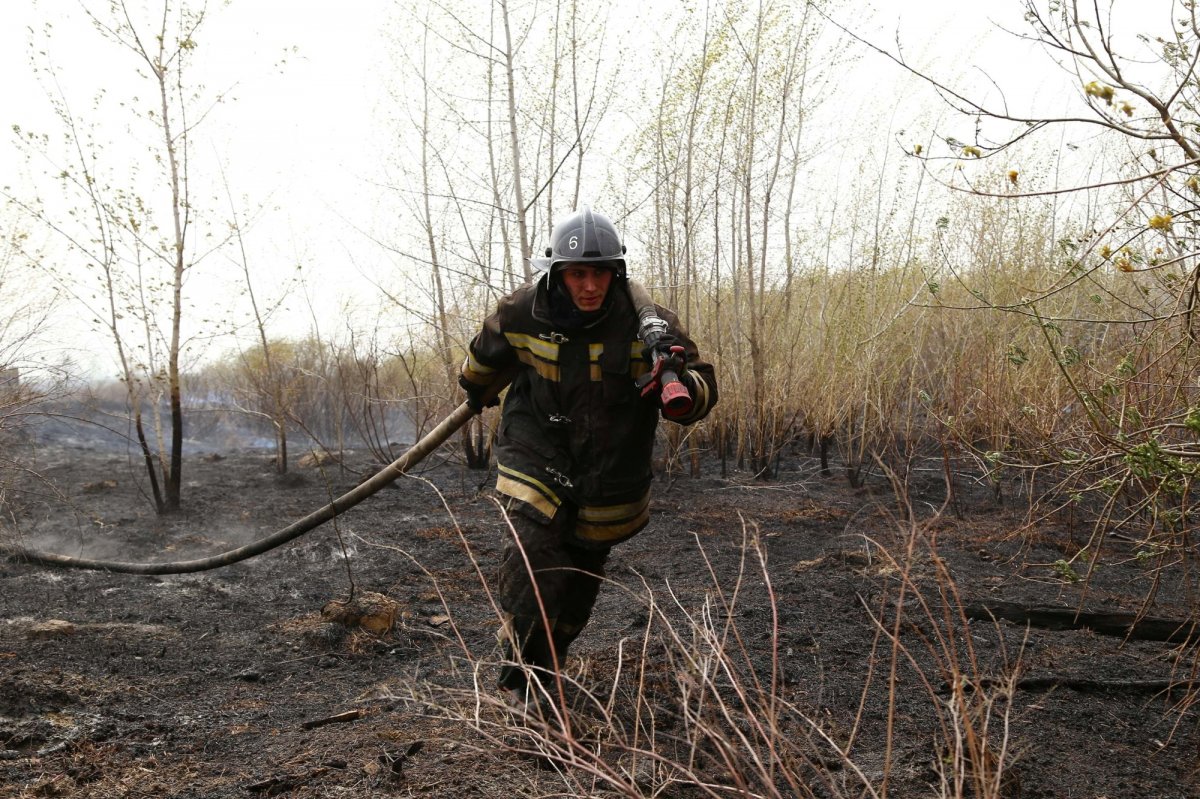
<point x="1072" y="456"/>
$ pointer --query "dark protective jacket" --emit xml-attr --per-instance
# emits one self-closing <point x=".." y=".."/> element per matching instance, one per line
<point x="575" y="435"/>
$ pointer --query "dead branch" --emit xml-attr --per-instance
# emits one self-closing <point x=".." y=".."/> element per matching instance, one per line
<point x="1124" y="625"/>
<point x="339" y="718"/>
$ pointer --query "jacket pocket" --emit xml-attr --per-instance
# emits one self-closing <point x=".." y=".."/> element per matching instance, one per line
<point x="524" y="435"/>
<point x="615" y="375"/>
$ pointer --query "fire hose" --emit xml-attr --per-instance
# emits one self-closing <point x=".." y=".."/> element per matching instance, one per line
<point x="384" y="477"/>
<point x="661" y="379"/>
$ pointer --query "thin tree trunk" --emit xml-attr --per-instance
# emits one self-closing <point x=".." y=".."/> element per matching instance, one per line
<point x="515" y="141"/>
<point x="552" y="128"/>
<point x="757" y="369"/>
<point x="579" y="149"/>
<point x="439" y="291"/>
<point x="509" y="273"/>
<point x="178" y="213"/>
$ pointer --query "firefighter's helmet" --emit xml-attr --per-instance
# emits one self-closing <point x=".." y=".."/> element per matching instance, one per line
<point x="584" y="237"/>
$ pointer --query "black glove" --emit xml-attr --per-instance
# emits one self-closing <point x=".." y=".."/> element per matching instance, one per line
<point x="475" y="394"/>
<point x="660" y="347"/>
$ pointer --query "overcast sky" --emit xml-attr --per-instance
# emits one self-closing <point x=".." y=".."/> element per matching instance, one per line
<point x="305" y="76"/>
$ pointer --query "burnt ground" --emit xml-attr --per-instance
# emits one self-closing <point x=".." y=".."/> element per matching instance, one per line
<point x="232" y="683"/>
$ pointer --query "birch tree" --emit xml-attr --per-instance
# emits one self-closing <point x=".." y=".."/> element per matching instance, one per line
<point x="481" y="158"/>
<point x="130" y="218"/>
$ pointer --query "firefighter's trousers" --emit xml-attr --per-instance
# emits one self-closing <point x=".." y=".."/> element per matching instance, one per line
<point x="546" y="579"/>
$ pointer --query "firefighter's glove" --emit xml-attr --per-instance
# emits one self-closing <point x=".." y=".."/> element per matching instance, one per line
<point x="475" y="394"/>
<point x="660" y="348"/>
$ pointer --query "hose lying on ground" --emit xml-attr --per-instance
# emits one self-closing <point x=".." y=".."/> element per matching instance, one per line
<point x="385" y="476"/>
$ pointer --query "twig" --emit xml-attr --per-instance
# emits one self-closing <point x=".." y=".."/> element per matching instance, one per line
<point x="275" y="786"/>
<point x="340" y="718"/>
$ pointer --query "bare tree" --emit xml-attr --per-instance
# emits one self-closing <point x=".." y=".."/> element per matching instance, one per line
<point x="473" y="205"/>
<point x="27" y="375"/>
<point x="134" y="231"/>
<point x="725" y="142"/>
<point x="508" y="53"/>
<point x="269" y="380"/>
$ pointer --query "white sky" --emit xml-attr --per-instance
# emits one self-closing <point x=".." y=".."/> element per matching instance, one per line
<point x="301" y="134"/>
<point x="293" y="136"/>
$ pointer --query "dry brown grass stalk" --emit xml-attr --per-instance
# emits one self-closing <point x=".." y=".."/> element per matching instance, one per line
<point x="717" y="719"/>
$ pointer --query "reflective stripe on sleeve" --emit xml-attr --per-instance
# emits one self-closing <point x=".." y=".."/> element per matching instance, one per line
<point x="477" y="372"/>
<point x="700" y="400"/>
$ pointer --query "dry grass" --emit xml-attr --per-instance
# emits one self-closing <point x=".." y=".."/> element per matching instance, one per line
<point x="693" y="706"/>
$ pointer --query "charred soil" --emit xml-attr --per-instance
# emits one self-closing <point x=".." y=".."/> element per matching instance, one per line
<point x="791" y="637"/>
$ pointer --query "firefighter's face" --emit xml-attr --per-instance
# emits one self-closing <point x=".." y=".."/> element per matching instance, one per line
<point x="587" y="285"/>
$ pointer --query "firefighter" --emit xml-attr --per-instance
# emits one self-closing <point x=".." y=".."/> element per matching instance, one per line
<point x="576" y="431"/>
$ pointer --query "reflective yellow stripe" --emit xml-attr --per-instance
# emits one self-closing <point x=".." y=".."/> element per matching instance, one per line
<point x="533" y="351"/>
<point x="699" y="401"/>
<point x="610" y="522"/>
<point x="612" y="532"/>
<point x="539" y="347"/>
<point x="476" y="372"/>
<point x="563" y="628"/>
<point x="547" y="370"/>
<point x="475" y="366"/>
<point x="528" y="489"/>
<point x="637" y="365"/>
<point x="613" y="513"/>
<point x="594" y="353"/>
